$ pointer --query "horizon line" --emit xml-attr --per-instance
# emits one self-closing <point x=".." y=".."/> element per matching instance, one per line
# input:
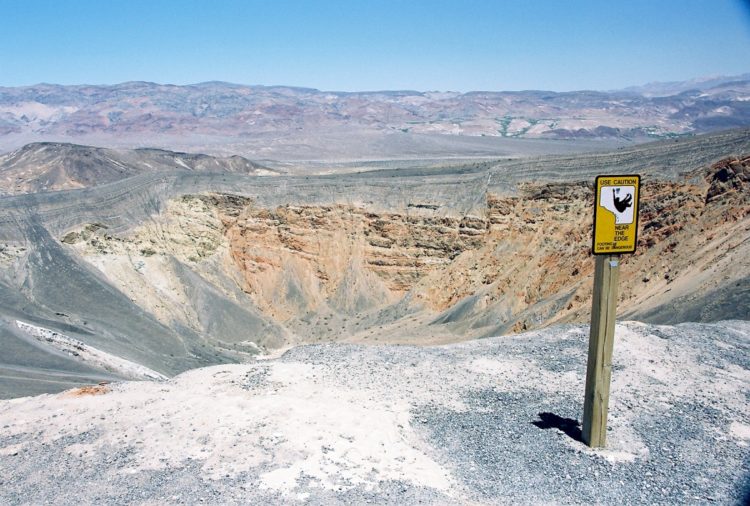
<point x="629" y="88"/>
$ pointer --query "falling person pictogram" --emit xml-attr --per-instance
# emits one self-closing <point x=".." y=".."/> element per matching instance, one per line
<point x="623" y="204"/>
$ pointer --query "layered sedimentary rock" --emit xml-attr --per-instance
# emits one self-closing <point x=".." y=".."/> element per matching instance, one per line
<point x="320" y="250"/>
<point x="521" y="263"/>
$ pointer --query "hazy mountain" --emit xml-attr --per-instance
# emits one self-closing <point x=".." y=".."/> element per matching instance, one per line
<point x="662" y="89"/>
<point x="300" y="123"/>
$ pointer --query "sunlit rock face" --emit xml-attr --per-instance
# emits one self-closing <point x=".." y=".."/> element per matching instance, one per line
<point x="520" y="262"/>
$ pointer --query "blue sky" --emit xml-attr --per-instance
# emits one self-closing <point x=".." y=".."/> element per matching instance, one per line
<point x="352" y="45"/>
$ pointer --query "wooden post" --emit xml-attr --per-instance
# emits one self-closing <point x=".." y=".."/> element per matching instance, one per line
<point x="601" y="340"/>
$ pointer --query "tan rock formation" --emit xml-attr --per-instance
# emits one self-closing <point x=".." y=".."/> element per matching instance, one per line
<point x="525" y="262"/>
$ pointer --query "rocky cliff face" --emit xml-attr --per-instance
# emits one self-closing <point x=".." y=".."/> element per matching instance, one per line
<point x="693" y="234"/>
<point x="521" y="263"/>
<point x="390" y="251"/>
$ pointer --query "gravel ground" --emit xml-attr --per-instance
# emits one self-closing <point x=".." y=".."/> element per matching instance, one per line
<point x="495" y="421"/>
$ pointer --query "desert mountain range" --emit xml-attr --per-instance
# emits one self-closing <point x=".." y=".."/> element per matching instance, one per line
<point x="286" y="123"/>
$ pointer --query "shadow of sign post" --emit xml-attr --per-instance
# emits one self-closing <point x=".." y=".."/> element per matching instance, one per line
<point x="568" y="426"/>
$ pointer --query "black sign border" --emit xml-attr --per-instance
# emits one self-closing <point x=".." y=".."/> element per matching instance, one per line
<point x="596" y="205"/>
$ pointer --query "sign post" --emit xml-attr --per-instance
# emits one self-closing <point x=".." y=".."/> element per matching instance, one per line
<point x="615" y="233"/>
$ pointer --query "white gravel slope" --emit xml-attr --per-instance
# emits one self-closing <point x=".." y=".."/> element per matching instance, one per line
<point x="491" y="421"/>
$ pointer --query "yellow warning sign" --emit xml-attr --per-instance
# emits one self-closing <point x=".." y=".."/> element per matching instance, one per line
<point x="616" y="214"/>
